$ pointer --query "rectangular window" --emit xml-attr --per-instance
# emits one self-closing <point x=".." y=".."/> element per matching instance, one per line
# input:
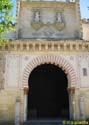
<point x="84" y="72"/>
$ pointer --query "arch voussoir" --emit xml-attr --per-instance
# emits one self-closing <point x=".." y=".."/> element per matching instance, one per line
<point x="50" y="59"/>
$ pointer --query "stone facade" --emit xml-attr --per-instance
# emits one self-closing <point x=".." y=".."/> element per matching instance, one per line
<point x="19" y="57"/>
<point x="85" y="27"/>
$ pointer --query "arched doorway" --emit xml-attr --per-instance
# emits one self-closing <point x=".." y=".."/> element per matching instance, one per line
<point x="48" y="96"/>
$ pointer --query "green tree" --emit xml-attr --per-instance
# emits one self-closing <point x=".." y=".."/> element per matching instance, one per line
<point x="6" y="17"/>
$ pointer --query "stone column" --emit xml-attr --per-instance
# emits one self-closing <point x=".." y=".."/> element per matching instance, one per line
<point x="73" y="104"/>
<point x="17" y="111"/>
<point x="71" y="92"/>
<point x="82" y="111"/>
<point x="25" y="102"/>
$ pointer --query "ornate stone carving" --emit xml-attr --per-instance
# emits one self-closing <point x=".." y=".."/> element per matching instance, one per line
<point x="59" y="25"/>
<point x="59" y="17"/>
<point x="37" y="16"/>
<point x="37" y="23"/>
<point x="49" y="59"/>
<point x="48" y="32"/>
<point x="62" y="45"/>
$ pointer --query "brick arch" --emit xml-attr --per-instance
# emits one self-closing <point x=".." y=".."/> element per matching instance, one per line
<point x="49" y="59"/>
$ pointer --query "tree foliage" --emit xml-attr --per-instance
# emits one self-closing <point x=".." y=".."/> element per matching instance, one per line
<point x="6" y="17"/>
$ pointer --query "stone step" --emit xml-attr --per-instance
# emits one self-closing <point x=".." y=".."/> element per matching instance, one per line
<point x="44" y="122"/>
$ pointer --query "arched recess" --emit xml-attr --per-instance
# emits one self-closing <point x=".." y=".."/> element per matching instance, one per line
<point x="61" y="63"/>
<point x="50" y="59"/>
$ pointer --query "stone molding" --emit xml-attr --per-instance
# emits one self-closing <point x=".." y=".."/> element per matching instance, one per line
<point x="55" y="4"/>
<point x="49" y="59"/>
<point x="42" y="46"/>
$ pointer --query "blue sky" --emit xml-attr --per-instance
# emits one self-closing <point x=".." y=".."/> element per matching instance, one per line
<point x="84" y="4"/>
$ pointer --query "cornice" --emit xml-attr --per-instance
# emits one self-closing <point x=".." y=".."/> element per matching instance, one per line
<point x="48" y="4"/>
<point x="44" y="45"/>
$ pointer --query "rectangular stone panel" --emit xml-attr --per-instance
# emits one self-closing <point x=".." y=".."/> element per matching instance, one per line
<point x="12" y="71"/>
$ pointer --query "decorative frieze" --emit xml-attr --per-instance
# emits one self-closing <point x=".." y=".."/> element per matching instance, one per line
<point x="28" y="46"/>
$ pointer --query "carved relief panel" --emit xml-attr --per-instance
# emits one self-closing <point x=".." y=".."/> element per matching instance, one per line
<point x="36" y="16"/>
<point x="38" y="22"/>
<point x="37" y="19"/>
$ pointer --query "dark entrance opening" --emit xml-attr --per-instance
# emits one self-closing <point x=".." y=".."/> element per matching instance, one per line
<point x="48" y="96"/>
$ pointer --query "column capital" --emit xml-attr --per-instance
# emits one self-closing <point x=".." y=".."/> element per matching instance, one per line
<point x="71" y="90"/>
<point x="26" y="89"/>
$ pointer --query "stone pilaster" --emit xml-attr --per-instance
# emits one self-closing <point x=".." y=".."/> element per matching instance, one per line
<point x="26" y="89"/>
<point x="82" y="109"/>
<point x="17" y="111"/>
